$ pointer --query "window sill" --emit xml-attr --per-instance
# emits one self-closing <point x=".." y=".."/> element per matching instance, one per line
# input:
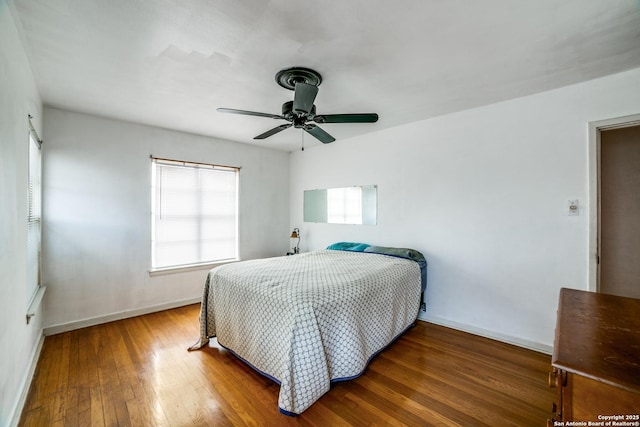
<point x="35" y="302"/>
<point x="188" y="268"/>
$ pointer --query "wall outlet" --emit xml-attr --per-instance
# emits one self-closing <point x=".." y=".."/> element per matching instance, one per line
<point x="573" y="208"/>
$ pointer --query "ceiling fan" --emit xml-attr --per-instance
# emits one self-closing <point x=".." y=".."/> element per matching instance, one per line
<point x="301" y="112"/>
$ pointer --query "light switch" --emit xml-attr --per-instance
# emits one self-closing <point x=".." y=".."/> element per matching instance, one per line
<point x="573" y="208"/>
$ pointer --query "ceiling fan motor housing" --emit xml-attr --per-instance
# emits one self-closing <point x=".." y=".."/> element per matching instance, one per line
<point x="289" y="114"/>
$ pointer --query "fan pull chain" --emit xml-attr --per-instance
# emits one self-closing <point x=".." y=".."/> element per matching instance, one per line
<point x="302" y="139"/>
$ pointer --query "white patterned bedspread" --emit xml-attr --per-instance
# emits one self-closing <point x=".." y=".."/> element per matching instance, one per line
<point x="309" y="319"/>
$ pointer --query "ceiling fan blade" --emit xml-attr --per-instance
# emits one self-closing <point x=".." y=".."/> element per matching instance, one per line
<point x="273" y="131"/>
<point x="346" y="118"/>
<point x="249" y="113"/>
<point x="304" y="97"/>
<point x="320" y="134"/>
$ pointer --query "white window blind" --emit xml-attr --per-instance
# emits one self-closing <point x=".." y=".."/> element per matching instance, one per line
<point x="34" y="220"/>
<point x="194" y="214"/>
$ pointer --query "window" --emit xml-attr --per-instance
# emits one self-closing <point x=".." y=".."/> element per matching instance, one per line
<point x="344" y="205"/>
<point x="34" y="220"/>
<point x="194" y="214"/>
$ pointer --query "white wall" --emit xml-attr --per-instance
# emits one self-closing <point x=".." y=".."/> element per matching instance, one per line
<point x="97" y="224"/>
<point x="19" y="343"/>
<point x="483" y="194"/>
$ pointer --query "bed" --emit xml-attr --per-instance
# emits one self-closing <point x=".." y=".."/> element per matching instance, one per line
<point x="314" y="318"/>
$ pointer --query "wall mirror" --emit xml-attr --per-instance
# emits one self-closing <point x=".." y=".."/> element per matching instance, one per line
<point x="345" y="205"/>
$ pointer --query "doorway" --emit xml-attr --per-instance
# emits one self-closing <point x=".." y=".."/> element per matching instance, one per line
<point x="619" y="210"/>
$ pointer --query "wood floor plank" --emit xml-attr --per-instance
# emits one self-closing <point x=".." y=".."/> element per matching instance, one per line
<point x="405" y="399"/>
<point x="477" y="381"/>
<point x="137" y="372"/>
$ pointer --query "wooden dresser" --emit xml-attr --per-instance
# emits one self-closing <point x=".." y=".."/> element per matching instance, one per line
<point x="596" y="359"/>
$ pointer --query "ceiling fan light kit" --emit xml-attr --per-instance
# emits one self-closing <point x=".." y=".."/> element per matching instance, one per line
<point x="299" y="112"/>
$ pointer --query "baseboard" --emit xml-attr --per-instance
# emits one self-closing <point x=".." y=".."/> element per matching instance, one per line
<point x="509" y="339"/>
<point x="25" y="384"/>
<point x="78" y="324"/>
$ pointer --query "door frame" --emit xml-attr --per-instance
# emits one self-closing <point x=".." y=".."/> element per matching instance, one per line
<point x="595" y="128"/>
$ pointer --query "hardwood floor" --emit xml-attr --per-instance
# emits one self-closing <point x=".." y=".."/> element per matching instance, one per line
<point x="137" y="372"/>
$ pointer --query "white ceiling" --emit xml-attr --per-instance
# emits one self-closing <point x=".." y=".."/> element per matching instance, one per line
<point x="171" y="63"/>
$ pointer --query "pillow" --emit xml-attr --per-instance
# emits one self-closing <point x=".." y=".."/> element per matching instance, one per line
<point x="411" y="254"/>
<point x="397" y="252"/>
<point x="348" y="246"/>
